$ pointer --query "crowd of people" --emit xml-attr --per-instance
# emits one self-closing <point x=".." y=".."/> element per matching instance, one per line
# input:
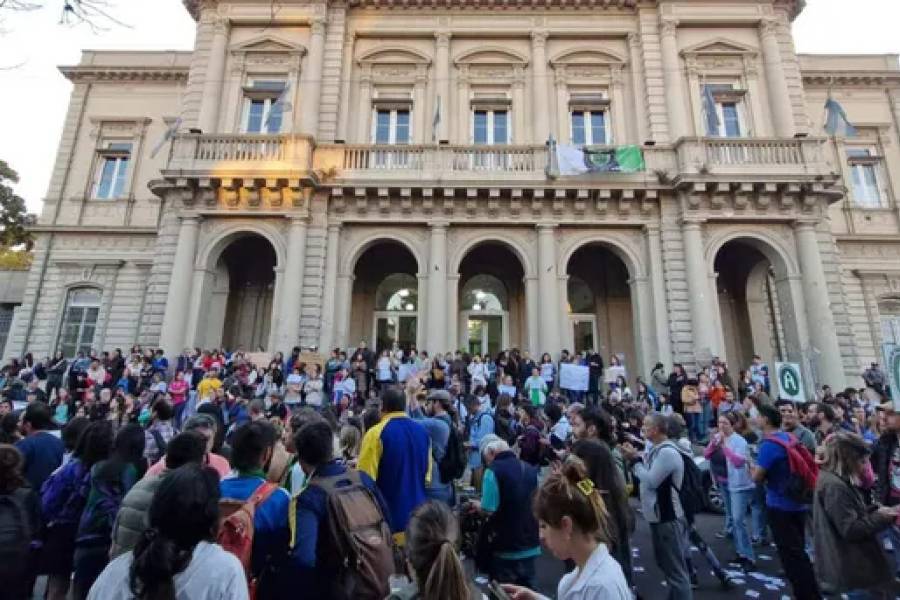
<point x="366" y="474"/>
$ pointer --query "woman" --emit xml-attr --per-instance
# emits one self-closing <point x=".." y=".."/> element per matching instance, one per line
<point x="601" y="468"/>
<point x="477" y="370"/>
<point x="741" y="488"/>
<point x="384" y="370"/>
<point x="548" y="369"/>
<point x="574" y="525"/>
<point x="16" y="494"/>
<point x="677" y="380"/>
<point x="849" y="556"/>
<point x="313" y="386"/>
<point x="63" y="498"/>
<point x="437" y="573"/>
<point x="659" y="381"/>
<point x="110" y="481"/>
<point x="536" y="388"/>
<point x="178" y="389"/>
<point x="332" y="366"/>
<point x="704" y="388"/>
<point x="177" y="557"/>
<point x="55" y="371"/>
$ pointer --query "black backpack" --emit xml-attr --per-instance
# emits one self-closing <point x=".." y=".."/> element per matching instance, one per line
<point x="453" y="464"/>
<point x="691" y="494"/>
<point x="15" y="536"/>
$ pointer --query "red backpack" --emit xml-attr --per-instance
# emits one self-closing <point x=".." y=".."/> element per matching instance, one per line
<point x="803" y="468"/>
<point x="236" y="528"/>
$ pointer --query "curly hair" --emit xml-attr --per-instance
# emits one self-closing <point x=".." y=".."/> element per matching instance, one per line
<point x="11" y="464"/>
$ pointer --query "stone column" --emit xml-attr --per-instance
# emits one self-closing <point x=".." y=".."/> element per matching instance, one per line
<point x="639" y="87"/>
<point x="548" y="317"/>
<point x="566" y="334"/>
<point x="561" y="86"/>
<point x="288" y="319"/>
<point x="343" y="124"/>
<point x="617" y="95"/>
<point x="442" y="86"/>
<point x="174" y="325"/>
<point x="825" y="351"/>
<point x="343" y="298"/>
<point x="701" y="300"/>
<point x="540" y="87"/>
<point x="208" y="120"/>
<point x="421" y="124"/>
<point x="331" y="315"/>
<point x="519" y="135"/>
<point x="461" y="122"/>
<point x="658" y="292"/>
<point x="644" y="338"/>
<point x="675" y="96"/>
<point x="779" y="98"/>
<point x="453" y="310"/>
<point x="361" y="131"/>
<point x="311" y="92"/>
<point x="531" y="310"/>
<point x="437" y="289"/>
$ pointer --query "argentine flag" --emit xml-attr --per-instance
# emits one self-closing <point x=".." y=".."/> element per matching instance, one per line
<point x="836" y="122"/>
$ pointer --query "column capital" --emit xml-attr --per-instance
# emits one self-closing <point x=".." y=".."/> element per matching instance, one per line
<point x="651" y="228"/>
<point x="221" y="25"/>
<point x="439" y="227"/>
<point x="805" y="224"/>
<point x="317" y="26"/>
<point x="334" y="227"/>
<point x="190" y="219"/>
<point x="539" y="38"/>
<point x="297" y="220"/>
<point x="668" y="27"/>
<point x="442" y="38"/>
<point x="768" y="26"/>
<point x="692" y="222"/>
<point x="546" y="227"/>
<point x="634" y="40"/>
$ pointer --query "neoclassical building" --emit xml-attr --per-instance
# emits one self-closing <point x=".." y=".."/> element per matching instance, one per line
<point x="377" y="169"/>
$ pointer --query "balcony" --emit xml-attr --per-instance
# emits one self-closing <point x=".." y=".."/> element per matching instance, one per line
<point x="750" y="158"/>
<point x="240" y="156"/>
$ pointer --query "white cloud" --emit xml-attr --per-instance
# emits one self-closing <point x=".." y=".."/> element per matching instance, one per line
<point x="35" y="96"/>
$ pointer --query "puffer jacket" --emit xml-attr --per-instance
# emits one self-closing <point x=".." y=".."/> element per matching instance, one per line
<point x="133" y="517"/>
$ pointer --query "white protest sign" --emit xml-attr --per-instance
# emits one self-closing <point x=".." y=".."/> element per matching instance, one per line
<point x="406" y="371"/>
<point x="574" y="377"/>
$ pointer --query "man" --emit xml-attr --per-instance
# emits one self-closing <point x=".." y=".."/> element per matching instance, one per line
<point x="208" y="385"/>
<point x="790" y="422"/>
<point x="435" y="418"/>
<point x="43" y="451"/>
<point x="479" y="423"/>
<point x="251" y="451"/>
<point x="396" y="453"/>
<point x="589" y="423"/>
<point x="204" y="426"/>
<point x="160" y="431"/>
<point x="256" y="410"/>
<point x="825" y="423"/>
<point x="369" y="358"/>
<point x="132" y="519"/>
<point x="160" y="362"/>
<point x="787" y="518"/>
<point x="507" y="494"/>
<point x="759" y="372"/>
<point x="886" y="464"/>
<point x="313" y="568"/>
<point x="874" y="378"/>
<point x="661" y="474"/>
<point x="33" y="393"/>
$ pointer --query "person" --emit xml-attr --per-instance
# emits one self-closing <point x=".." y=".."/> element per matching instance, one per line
<point x="313" y="387"/>
<point x="252" y="448"/>
<point x="56" y="369"/>
<point x="874" y="378"/>
<point x="659" y="381"/>
<point x="479" y="423"/>
<point x="396" y="453"/>
<point x="437" y="572"/>
<point x="42" y="451"/>
<point x="315" y="564"/>
<point x="20" y="515"/>
<point x="177" y="557"/>
<point x="574" y="525"/>
<point x="536" y="388"/>
<point x="740" y="486"/>
<point x="886" y="465"/>
<point x="205" y="426"/>
<point x="661" y="474"/>
<point x="133" y="516"/>
<point x="206" y="389"/>
<point x="110" y="481"/>
<point x="160" y="432"/>
<point x="790" y="423"/>
<point x="759" y="372"/>
<point x="601" y="468"/>
<point x="438" y="421"/>
<point x="507" y="492"/>
<point x="178" y="390"/>
<point x="787" y="518"/>
<point x="850" y="558"/>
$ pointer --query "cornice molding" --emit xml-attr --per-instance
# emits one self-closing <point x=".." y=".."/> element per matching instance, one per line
<point x="92" y="73"/>
<point x="877" y="78"/>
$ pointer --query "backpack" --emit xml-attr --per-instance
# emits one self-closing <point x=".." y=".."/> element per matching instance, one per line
<point x="453" y="464"/>
<point x="15" y="536"/>
<point x="236" y="528"/>
<point x="803" y="470"/>
<point x="506" y="429"/>
<point x="160" y="445"/>
<point x="359" y="542"/>
<point x="691" y="494"/>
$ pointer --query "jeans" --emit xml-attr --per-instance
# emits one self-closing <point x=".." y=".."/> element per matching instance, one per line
<point x="693" y="424"/>
<point x="516" y="572"/>
<point x="706" y="417"/>
<point x="726" y="500"/>
<point x="740" y="502"/>
<point x="788" y="529"/>
<point x="758" y="512"/>
<point x="893" y="534"/>
<point x="668" y="550"/>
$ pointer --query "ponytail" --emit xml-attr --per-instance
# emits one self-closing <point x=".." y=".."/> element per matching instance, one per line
<point x="156" y="561"/>
<point x="570" y="492"/>
<point x="447" y="576"/>
<point x="430" y="540"/>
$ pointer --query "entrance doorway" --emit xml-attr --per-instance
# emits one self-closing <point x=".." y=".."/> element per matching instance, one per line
<point x="391" y="327"/>
<point x="584" y="332"/>
<point x="250" y="266"/>
<point x="485" y="333"/>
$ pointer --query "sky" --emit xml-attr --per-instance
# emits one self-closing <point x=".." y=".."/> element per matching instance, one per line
<point x="34" y="96"/>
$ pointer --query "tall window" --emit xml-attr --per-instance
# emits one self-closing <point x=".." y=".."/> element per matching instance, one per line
<point x="79" y="321"/>
<point x="392" y="126"/>
<point x="589" y="127"/>
<point x="262" y="111"/>
<point x="864" y="166"/>
<point x="113" y="176"/>
<point x="727" y="103"/>
<point x="490" y="126"/>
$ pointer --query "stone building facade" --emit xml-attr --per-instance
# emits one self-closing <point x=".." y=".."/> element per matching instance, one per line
<point x="377" y="170"/>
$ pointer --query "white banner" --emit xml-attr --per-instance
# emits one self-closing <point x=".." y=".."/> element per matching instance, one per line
<point x="574" y="377"/>
<point x="406" y="371"/>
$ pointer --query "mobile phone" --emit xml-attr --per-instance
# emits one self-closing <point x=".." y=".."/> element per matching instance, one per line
<point x="497" y="592"/>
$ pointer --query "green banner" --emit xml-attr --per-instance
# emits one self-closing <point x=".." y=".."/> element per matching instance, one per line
<point x="621" y="159"/>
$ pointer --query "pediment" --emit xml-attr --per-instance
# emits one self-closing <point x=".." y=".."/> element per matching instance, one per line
<point x="587" y="57"/>
<point x="268" y="44"/>
<point x="718" y="46"/>
<point x="396" y="55"/>
<point x="491" y="56"/>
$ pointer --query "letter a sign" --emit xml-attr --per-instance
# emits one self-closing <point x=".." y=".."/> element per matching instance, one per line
<point x="790" y="383"/>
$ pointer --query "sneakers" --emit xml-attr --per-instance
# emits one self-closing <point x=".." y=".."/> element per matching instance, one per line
<point x="695" y="583"/>
<point x="723" y="534"/>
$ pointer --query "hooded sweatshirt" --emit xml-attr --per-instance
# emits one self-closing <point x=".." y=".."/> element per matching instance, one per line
<point x="660" y="473"/>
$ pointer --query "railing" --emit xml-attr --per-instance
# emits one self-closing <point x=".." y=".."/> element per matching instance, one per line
<point x="223" y="153"/>
<point x="741" y="152"/>
<point x="750" y="156"/>
<point x="448" y="159"/>
<point x="233" y="147"/>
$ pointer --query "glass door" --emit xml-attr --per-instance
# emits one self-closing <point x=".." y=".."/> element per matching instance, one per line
<point x="584" y="329"/>
<point x="395" y="327"/>
<point x="485" y="334"/>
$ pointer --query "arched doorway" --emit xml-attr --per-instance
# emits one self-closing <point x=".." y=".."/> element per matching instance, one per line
<point x="491" y="300"/>
<point x="385" y="300"/>
<point x="598" y="302"/>
<point x="749" y="308"/>
<point x="249" y="264"/>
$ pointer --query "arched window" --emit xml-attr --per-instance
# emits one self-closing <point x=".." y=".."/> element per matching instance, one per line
<point x="398" y="292"/>
<point x="484" y="293"/>
<point x="79" y="320"/>
<point x="581" y="296"/>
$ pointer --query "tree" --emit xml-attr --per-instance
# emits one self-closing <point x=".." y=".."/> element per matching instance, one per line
<point x="13" y="217"/>
<point x="94" y="13"/>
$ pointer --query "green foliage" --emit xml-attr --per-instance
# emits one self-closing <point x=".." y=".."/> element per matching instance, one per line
<point x="13" y="216"/>
<point x="15" y="260"/>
